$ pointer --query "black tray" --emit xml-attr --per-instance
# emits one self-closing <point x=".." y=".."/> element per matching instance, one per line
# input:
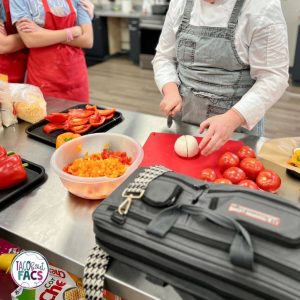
<point x="36" y="176"/>
<point x="35" y="131"/>
<point x="293" y="173"/>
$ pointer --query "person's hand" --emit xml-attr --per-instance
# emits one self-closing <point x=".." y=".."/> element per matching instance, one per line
<point x="2" y="29"/>
<point x="220" y="129"/>
<point x="76" y="31"/>
<point x="28" y="26"/>
<point x="171" y="104"/>
<point x="88" y="6"/>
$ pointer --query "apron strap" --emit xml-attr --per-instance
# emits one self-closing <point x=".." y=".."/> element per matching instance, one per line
<point x="46" y="6"/>
<point x="71" y="6"/>
<point x="235" y="14"/>
<point x="6" y="7"/>
<point x="187" y="13"/>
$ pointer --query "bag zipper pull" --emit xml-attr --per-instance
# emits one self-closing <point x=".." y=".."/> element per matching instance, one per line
<point x="125" y="205"/>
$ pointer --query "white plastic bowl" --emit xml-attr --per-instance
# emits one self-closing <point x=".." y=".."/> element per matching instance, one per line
<point x="94" y="187"/>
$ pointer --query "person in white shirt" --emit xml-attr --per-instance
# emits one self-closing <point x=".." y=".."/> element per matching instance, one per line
<point x="222" y="64"/>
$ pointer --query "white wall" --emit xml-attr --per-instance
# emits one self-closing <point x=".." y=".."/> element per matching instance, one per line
<point x="291" y="11"/>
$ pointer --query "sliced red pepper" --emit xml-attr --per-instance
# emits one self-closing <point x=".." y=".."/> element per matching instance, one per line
<point x="48" y="128"/>
<point x="80" y="113"/>
<point x="96" y="119"/>
<point x="109" y="117"/>
<point x="106" y="112"/>
<point x="57" y="118"/>
<point x="74" y="121"/>
<point x="3" y="152"/>
<point x="91" y="107"/>
<point x="12" y="172"/>
<point x="80" y="128"/>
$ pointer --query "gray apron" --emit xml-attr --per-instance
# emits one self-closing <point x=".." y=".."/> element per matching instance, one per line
<point x="212" y="75"/>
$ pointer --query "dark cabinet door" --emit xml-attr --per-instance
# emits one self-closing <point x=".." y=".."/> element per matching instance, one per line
<point x="134" y="35"/>
<point x="296" y="68"/>
<point x="100" y="47"/>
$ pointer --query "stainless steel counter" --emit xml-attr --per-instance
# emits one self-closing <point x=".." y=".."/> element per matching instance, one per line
<point x="59" y="225"/>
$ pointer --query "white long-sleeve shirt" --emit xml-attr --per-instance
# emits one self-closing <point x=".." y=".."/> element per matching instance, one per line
<point x="261" y="41"/>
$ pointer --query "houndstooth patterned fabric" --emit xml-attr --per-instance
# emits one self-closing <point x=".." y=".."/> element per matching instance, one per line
<point x="94" y="273"/>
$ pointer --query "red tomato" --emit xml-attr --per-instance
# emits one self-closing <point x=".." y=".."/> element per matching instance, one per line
<point x="251" y="166"/>
<point x="234" y="174"/>
<point x="208" y="175"/>
<point x="249" y="184"/>
<point x="246" y="151"/>
<point x="268" y="181"/>
<point x="227" y="160"/>
<point x="223" y="181"/>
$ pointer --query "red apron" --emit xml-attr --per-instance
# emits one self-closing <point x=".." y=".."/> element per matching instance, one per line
<point x="13" y="64"/>
<point x="59" y="70"/>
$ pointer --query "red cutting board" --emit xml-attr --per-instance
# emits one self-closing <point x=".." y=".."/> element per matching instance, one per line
<point x="159" y="150"/>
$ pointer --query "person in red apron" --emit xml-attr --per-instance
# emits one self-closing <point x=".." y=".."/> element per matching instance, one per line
<point x="56" y="62"/>
<point x="13" y="56"/>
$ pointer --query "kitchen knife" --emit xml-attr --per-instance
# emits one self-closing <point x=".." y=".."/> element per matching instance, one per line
<point x="169" y="121"/>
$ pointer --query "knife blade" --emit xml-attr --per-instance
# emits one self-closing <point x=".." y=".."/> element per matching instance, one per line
<point x="169" y="121"/>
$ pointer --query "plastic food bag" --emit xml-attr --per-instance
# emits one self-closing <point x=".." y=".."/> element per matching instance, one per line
<point x="8" y="114"/>
<point x="29" y="102"/>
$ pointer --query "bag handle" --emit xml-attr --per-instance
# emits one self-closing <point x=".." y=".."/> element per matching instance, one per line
<point x="241" y="249"/>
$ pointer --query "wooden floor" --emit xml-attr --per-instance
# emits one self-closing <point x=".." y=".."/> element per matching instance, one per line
<point x="119" y="83"/>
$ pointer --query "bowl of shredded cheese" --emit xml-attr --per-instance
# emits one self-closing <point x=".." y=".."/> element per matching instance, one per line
<point x="93" y="166"/>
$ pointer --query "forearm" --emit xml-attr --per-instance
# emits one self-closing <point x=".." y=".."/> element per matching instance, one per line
<point x="261" y="97"/>
<point x="170" y="89"/>
<point x="43" y="37"/>
<point x="85" y="40"/>
<point x="10" y="43"/>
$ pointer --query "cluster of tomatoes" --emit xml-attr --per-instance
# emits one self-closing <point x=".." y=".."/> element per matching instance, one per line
<point x="243" y="169"/>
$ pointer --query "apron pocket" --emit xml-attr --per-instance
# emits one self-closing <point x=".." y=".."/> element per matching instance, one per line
<point x="185" y="51"/>
<point x="198" y="106"/>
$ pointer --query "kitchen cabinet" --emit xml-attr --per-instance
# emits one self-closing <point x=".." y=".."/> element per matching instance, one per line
<point x="296" y="68"/>
<point x="134" y="36"/>
<point x="100" y="47"/>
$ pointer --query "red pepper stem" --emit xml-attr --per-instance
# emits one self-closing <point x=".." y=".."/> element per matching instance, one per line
<point x="10" y="153"/>
<point x="25" y="165"/>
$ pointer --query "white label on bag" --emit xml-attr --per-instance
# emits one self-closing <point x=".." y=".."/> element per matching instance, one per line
<point x="254" y="214"/>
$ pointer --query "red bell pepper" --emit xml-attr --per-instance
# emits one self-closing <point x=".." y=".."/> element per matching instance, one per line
<point x="3" y="152"/>
<point x="91" y="107"/>
<point x="12" y="172"/>
<point x="80" y="113"/>
<point x="81" y="128"/>
<point x="96" y="119"/>
<point x="109" y="117"/>
<point x="74" y="121"/>
<point x="106" y="112"/>
<point x="48" y="128"/>
<point x="57" y="118"/>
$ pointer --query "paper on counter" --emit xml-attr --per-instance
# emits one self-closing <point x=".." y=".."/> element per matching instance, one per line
<point x="279" y="151"/>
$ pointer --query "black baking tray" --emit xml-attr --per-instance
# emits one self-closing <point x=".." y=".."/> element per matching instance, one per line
<point x="36" y="176"/>
<point x="36" y="132"/>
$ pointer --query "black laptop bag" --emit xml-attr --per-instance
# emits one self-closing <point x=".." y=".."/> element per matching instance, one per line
<point x="208" y="241"/>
